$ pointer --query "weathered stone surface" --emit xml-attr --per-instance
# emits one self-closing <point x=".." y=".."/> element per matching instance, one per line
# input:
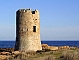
<point x="6" y="49"/>
<point x="47" y="47"/>
<point x="64" y="47"/>
<point x="5" y="53"/>
<point x="44" y="46"/>
<point x="27" y="30"/>
<point x="53" y="48"/>
<point x="2" y="57"/>
<point x="16" y="52"/>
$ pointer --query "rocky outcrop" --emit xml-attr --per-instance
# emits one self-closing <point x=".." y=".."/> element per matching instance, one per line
<point x="16" y="52"/>
<point x="9" y="53"/>
<point x="6" y="49"/>
<point x="47" y="47"/>
<point x="64" y="47"/>
<point x="53" y="48"/>
<point x="3" y="57"/>
<point x="5" y="53"/>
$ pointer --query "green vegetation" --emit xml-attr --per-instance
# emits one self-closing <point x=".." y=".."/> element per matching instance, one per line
<point x="63" y="54"/>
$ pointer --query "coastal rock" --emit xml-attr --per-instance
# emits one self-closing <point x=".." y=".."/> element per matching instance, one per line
<point x="16" y="52"/>
<point x="6" y="49"/>
<point x="2" y="57"/>
<point x="53" y="48"/>
<point x="5" y="53"/>
<point x="73" y="47"/>
<point x="47" y="47"/>
<point x="64" y="47"/>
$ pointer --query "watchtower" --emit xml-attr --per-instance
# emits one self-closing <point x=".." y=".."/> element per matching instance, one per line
<point x="27" y="30"/>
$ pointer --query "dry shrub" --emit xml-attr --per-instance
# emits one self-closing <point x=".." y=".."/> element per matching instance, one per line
<point x="70" y="55"/>
<point x="18" y="57"/>
<point x="50" y="58"/>
<point x="22" y="56"/>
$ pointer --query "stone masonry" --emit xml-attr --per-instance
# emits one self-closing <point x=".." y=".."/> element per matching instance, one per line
<point x="27" y="30"/>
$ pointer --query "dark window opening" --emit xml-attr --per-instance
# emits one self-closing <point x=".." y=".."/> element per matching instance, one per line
<point x="33" y="12"/>
<point x="35" y="19"/>
<point x="27" y="29"/>
<point x="34" y="28"/>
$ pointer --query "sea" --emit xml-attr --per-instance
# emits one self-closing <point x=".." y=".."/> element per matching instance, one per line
<point x="11" y="44"/>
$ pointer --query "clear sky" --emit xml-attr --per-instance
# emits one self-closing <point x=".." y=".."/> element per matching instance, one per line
<point x="59" y="19"/>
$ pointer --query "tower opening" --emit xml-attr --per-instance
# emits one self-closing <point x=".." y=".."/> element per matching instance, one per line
<point x="35" y="19"/>
<point x="34" y="28"/>
<point x="33" y="12"/>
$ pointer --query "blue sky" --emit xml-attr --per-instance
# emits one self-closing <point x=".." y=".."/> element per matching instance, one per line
<point x="59" y="19"/>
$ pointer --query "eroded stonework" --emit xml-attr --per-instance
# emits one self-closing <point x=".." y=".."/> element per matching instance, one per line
<point x="27" y="30"/>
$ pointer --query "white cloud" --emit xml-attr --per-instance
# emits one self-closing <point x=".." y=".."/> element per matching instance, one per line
<point x="66" y="33"/>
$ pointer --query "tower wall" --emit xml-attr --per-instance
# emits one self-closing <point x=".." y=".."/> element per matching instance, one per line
<point x="27" y="30"/>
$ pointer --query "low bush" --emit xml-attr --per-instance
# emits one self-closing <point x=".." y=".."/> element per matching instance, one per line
<point x="50" y="58"/>
<point x="70" y="55"/>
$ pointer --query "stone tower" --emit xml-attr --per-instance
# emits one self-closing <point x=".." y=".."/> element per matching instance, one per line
<point x="27" y="30"/>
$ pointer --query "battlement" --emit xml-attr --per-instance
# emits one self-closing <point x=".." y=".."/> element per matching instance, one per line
<point x="28" y="10"/>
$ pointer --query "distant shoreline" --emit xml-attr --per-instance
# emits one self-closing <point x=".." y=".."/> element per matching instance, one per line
<point x="44" y="40"/>
<point x="10" y="44"/>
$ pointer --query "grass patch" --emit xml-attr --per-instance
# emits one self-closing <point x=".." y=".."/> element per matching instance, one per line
<point x="65" y="54"/>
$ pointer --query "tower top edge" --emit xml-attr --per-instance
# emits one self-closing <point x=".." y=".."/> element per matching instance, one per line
<point x="25" y="10"/>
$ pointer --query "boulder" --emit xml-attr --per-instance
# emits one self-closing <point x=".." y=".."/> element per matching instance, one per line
<point x="16" y="52"/>
<point x="53" y="48"/>
<point x="2" y="57"/>
<point x="47" y="47"/>
<point x="64" y="47"/>
<point x="5" y="53"/>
